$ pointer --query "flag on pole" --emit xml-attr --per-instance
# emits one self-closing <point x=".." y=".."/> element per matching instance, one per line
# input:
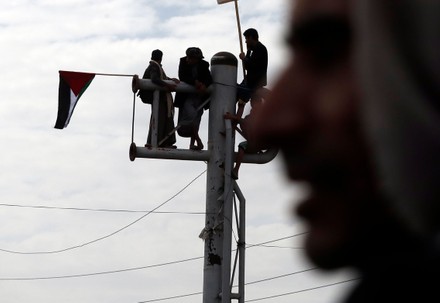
<point x="224" y="1"/>
<point x="72" y="86"/>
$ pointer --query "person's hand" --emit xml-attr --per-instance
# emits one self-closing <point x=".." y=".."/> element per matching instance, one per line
<point x="229" y="116"/>
<point x="234" y="118"/>
<point x="200" y="86"/>
<point x="171" y="87"/>
<point x="242" y="56"/>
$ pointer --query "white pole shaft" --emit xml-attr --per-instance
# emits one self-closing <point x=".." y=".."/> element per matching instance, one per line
<point x="224" y="70"/>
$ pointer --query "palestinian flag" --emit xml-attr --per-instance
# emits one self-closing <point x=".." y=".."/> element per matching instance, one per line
<point x="72" y="86"/>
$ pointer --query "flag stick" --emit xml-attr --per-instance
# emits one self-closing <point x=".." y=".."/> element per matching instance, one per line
<point x="239" y="32"/>
<point x="101" y="74"/>
<point x="238" y="25"/>
<point x="114" y="75"/>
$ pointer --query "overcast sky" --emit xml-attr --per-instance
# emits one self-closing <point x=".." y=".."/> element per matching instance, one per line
<point x="86" y="165"/>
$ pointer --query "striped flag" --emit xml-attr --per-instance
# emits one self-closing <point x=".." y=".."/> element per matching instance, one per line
<point x="72" y="86"/>
<point x="224" y="1"/>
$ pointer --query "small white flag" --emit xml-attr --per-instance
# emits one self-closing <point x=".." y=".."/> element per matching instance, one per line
<point x="224" y="1"/>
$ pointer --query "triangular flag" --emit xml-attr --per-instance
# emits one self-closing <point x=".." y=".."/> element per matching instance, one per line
<point x="224" y="1"/>
<point x="72" y="86"/>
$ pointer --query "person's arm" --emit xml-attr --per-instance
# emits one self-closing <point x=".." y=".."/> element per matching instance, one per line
<point x="233" y="118"/>
<point x="155" y="76"/>
<point x="156" y="79"/>
<point x="245" y="60"/>
<point x="203" y="74"/>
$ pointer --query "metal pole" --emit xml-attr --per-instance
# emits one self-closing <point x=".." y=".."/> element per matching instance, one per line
<point x="147" y="84"/>
<point x="133" y="117"/>
<point x="227" y="213"/>
<point x="223" y="97"/>
<point x="241" y="243"/>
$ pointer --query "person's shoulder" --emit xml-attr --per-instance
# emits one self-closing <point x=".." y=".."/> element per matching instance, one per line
<point x="204" y="63"/>
<point x="183" y="64"/>
<point x="147" y="72"/>
<point x="262" y="46"/>
<point x="153" y="67"/>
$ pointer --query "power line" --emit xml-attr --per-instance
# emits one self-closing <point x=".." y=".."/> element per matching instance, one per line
<point x="174" y="297"/>
<point x="106" y="236"/>
<point x="261" y="281"/>
<point x="249" y="283"/>
<point x="281" y="276"/>
<point x="100" y="273"/>
<point x="121" y="270"/>
<point x="45" y="207"/>
<point x="302" y="290"/>
<point x="280" y="247"/>
<point x="277" y="240"/>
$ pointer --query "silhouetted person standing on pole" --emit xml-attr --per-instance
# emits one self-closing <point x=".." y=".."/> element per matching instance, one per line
<point x="157" y="75"/>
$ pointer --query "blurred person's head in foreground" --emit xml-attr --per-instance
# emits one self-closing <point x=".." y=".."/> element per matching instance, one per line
<point x="373" y="194"/>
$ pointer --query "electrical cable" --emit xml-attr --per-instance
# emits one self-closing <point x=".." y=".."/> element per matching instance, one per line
<point x="257" y="282"/>
<point x="280" y="247"/>
<point x="101" y="273"/>
<point x="303" y="290"/>
<point x="100" y="209"/>
<point x="106" y="236"/>
<point x="174" y="297"/>
<point x="276" y="240"/>
<point x="281" y="276"/>
<point x="119" y="270"/>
